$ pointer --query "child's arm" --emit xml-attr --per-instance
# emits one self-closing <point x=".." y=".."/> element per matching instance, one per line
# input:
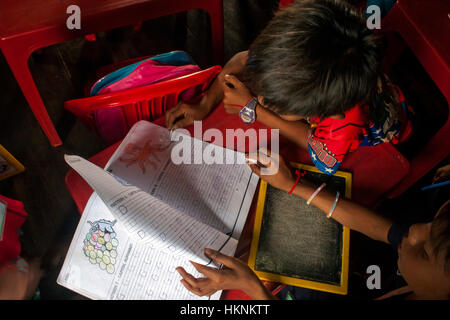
<point x="19" y="279"/>
<point x="295" y="131"/>
<point x="236" y="95"/>
<point x="237" y="275"/>
<point x="347" y="213"/>
<point x="184" y="114"/>
<point x="442" y="174"/>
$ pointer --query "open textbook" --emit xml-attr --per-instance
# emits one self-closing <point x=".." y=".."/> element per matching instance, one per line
<point x="148" y="215"/>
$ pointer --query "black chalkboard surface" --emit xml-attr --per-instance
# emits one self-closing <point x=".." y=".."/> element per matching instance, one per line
<point x="297" y="244"/>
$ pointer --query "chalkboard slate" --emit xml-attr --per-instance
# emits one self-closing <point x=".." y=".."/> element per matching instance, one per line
<point x="297" y="240"/>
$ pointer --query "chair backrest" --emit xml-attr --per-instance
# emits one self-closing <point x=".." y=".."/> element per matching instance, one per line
<point x="418" y="25"/>
<point x="284" y="3"/>
<point x="143" y="103"/>
<point x="376" y="171"/>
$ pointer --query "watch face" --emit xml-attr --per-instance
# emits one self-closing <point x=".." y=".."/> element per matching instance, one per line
<point x="246" y="116"/>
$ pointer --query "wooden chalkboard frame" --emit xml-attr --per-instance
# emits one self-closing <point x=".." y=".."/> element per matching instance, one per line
<point x="315" y="285"/>
<point x="13" y="165"/>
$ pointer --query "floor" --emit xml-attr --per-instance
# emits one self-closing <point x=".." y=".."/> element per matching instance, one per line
<point x="60" y="73"/>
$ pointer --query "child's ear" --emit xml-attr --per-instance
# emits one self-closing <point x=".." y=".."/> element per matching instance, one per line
<point x="261" y="100"/>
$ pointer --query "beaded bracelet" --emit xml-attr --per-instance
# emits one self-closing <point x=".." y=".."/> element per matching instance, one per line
<point x="334" y="205"/>
<point x="315" y="193"/>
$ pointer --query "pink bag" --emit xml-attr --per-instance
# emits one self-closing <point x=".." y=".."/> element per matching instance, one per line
<point x="110" y="122"/>
<point x="146" y="73"/>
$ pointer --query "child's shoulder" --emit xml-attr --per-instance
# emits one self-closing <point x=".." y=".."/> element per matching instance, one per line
<point x="331" y="138"/>
<point x="350" y="125"/>
<point x="390" y="115"/>
<point x="383" y="119"/>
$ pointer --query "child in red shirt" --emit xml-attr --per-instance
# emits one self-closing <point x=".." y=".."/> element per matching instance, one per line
<point x="316" y="60"/>
<point x="331" y="139"/>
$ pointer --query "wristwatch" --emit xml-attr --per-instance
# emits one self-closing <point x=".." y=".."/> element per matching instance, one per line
<point x="248" y="113"/>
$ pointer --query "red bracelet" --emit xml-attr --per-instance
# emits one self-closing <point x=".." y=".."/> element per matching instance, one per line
<point x="299" y="174"/>
<point x="238" y="105"/>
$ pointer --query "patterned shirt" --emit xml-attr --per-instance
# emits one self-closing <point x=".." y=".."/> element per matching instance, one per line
<point x="385" y="119"/>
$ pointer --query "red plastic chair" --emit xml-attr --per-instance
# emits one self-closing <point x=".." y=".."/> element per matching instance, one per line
<point x="284" y="3"/>
<point x="16" y="216"/>
<point x="422" y="24"/>
<point x="27" y="26"/>
<point x="142" y="103"/>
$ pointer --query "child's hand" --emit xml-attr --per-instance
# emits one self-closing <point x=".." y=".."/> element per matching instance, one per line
<point x="184" y="114"/>
<point x="13" y="283"/>
<point x="19" y="279"/>
<point x="234" y="275"/>
<point x="441" y="174"/>
<point x="273" y="169"/>
<point x="236" y="94"/>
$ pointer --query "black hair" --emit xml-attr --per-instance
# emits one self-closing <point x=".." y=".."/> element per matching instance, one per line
<point x="314" y="58"/>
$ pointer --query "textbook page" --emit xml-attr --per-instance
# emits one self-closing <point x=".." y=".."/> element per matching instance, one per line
<point x="104" y="262"/>
<point x="219" y="195"/>
<point x="156" y="238"/>
<point x="148" y="219"/>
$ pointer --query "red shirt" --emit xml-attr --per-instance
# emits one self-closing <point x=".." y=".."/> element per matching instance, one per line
<point x="331" y="138"/>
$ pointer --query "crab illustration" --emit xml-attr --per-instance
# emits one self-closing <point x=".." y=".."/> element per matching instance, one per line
<point x="142" y="155"/>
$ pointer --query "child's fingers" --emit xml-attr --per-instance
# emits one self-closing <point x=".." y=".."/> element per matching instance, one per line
<point x="253" y="159"/>
<point x="227" y="261"/>
<point x="438" y="175"/>
<point x="261" y="157"/>
<point x="209" y="292"/>
<point x="185" y="275"/>
<point x="436" y="178"/>
<point x="250" y="160"/>
<point x="233" y="80"/>
<point x="265" y="159"/>
<point x="172" y="114"/>
<point x="227" y="86"/>
<point x="205" y="270"/>
<point x="200" y="286"/>
<point x="264" y="151"/>
<point x="169" y="118"/>
<point x="197" y="290"/>
<point x="441" y="173"/>
<point x="184" y="122"/>
<point x="256" y="170"/>
<point x="193" y="282"/>
<point x="188" y="286"/>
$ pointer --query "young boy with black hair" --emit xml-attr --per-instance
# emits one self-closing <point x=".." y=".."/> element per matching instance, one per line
<point x="314" y="74"/>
